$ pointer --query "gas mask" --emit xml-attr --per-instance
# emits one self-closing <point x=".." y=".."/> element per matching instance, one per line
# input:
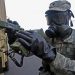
<point x="61" y="32"/>
<point x="59" y="20"/>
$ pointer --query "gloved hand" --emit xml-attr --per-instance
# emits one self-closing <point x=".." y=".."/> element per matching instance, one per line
<point x="11" y="36"/>
<point x="11" y="32"/>
<point x="35" y="43"/>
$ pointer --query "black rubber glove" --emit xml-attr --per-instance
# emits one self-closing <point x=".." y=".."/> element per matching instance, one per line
<point x="11" y="32"/>
<point x="35" y="43"/>
<point x="11" y="35"/>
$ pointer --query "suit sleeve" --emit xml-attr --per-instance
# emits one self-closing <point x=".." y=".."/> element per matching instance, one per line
<point x="63" y="63"/>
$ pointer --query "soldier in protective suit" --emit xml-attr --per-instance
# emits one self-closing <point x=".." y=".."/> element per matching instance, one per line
<point x="56" y="47"/>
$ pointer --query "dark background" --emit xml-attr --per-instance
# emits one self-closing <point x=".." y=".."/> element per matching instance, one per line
<point x="30" y="66"/>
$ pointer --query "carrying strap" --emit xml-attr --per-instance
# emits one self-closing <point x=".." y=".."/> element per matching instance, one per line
<point x="70" y="15"/>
